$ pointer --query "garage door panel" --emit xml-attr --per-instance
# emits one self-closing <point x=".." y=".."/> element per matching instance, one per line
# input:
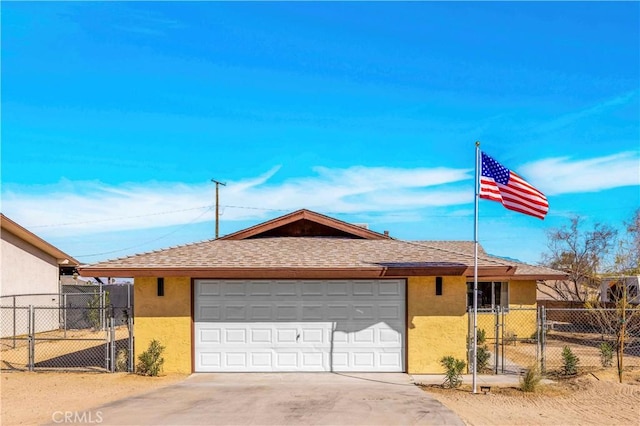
<point x="299" y="326"/>
<point x="338" y="288"/>
<point x="209" y="313"/>
<point x="286" y="313"/>
<point x="391" y="288"/>
<point x="313" y="312"/>
<point x="391" y="312"/>
<point x="261" y="336"/>
<point x="364" y="288"/>
<point x="286" y="288"/>
<point x="260" y="313"/>
<point x="313" y="288"/>
<point x="235" y="312"/>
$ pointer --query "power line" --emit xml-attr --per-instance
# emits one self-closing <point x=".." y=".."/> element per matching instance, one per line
<point x="118" y="218"/>
<point x="150" y="241"/>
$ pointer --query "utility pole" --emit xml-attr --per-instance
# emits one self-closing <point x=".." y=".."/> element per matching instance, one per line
<point x="217" y="198"/>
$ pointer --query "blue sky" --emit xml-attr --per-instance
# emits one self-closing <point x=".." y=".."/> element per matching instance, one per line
<point x="116" y="116"/>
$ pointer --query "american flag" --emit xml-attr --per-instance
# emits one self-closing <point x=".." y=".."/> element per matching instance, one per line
<point x="498" y="183"/>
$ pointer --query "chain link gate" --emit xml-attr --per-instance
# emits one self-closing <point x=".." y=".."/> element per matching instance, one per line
<point x="508" y="340"/>
<point x="85" y="336"/>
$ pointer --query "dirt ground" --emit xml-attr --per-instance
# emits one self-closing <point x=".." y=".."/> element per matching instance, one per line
<point x="591" y="399"/>
<point x="33" y="398"/>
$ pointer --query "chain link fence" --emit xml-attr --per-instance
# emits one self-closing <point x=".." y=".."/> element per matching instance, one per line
<point x="511" y="340"/>
<point x="71" y="331"/>
<point x="591" y="335"/>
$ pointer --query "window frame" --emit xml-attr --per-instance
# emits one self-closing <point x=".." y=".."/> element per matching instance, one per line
<point x="504" y="294"/>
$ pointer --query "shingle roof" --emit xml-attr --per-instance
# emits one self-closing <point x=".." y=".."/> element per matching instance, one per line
<point x="523" y="269"/>
<point x="234" y="257"/>
<point x="269" y="250"/>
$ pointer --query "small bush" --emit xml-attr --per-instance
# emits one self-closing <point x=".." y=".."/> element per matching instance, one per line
<point x="531" y="379"/>
<point x="569" y="362"/>
<point x="453" y="371"/>
<point x="510" y="338"/>
<point x="482" y="336"/>
<point x="122" y="360"/>
<point x="482" y="358"/>
<point x="606" y="354"/>
<point x="94" y="311"/>
<point x="151" y="360"/>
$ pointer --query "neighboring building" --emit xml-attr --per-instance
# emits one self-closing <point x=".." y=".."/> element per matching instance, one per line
<point x="611" y="288"/>
<point x="306" y="292"/>
<point x="566" y="291"/>
<point x="29" y="266"/>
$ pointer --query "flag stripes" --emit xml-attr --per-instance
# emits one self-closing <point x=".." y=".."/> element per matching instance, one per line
<point x="497" y="183"/>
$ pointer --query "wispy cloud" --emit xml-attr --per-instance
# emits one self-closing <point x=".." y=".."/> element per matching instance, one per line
<point x="592" y="111"/>
<point x="73" y="208"/>
<point x="147" y="23"/>
<point x="564" y="175"/>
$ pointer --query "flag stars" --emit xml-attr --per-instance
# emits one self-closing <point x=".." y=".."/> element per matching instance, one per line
<point x="491" y="168"/>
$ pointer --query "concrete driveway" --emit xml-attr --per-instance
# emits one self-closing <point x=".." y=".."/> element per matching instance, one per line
<point x="283" y="399"/>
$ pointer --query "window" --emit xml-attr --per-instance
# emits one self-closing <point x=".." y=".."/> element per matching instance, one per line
<point x="490" y="294"/>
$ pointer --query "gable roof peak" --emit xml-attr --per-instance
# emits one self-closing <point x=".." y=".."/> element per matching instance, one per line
<point x="305" y="223"/>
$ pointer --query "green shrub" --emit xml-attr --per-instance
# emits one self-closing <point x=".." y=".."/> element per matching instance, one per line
<point x="569" y="362"/>
<point x="122" y="360"/>
<point x="151" y="360"/>
<point x="453" y="371"/>
<point x="482" y="336"/>
<point x="94" y="312"/>
<point x="606" y="354"/>
<point x="531" y="379"/>
<point x="482" y="358"/>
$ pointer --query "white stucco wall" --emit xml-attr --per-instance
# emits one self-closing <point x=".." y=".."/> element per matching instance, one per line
<point x="25" y="269"/>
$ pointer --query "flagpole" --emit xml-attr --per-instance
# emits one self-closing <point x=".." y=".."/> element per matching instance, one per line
<point x="474" y="349"/>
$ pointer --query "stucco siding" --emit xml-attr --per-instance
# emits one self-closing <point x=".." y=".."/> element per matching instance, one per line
<point x="166" y="319"/>
<point x="25" y="268"/>
<point x="437" y="325"/>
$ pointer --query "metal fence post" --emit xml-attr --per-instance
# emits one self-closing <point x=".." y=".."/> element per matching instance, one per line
<point x="64" y="314"/>
<point x="538" y="327"/>
<point x="131" y="357"/>
<point x="543" y="339"/>
<point x="14" y="322"/>
<point x="502" y="335"/>
<point x="113" y="343"/>
<point x="496" y="334"/>
<point x="30" y="339"/>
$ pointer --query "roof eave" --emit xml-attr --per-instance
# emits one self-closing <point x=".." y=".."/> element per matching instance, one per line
<point x="291" y="273"/>
<point x="524" y="277"/>
<point x="24" y="234"/>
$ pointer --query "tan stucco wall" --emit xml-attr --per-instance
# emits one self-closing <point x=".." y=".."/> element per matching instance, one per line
<point x="436" y="325"/>
<point x="166" y="319"/>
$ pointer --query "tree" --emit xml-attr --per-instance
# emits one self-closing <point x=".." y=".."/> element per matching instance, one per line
<point x="621" y="322"/>
<point x="627" y="259"/>
<point x="581" y="254"/>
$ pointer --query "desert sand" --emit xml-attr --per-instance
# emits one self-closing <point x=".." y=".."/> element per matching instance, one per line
<point x="590" y="399"/>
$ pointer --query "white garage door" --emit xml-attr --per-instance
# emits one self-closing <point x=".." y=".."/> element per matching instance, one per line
<point x="299" y="325"/>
